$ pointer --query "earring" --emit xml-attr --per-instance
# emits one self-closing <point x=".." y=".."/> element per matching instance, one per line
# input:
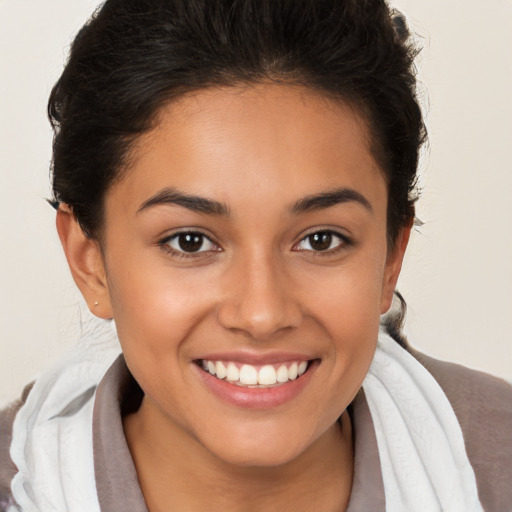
<point x="96" y="303"/>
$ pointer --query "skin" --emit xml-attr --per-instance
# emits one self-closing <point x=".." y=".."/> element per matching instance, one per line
<point x="258" y="287"/>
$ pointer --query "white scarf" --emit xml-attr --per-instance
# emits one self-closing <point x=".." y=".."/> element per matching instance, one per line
<point x="424" y="463"/>
<point x="52" y="433"/>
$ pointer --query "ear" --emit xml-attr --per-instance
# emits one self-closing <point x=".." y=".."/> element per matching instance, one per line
<point x="393" y="267"/>
<point x="85" y="262"/>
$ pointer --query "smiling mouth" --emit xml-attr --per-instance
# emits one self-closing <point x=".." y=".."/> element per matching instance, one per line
<point x="249" y="376"/>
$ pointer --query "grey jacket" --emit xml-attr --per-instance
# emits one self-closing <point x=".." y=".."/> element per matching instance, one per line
<point x="482" y="404"/>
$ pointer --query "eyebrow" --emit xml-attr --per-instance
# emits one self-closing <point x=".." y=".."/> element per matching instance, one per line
<point x="330" y="198"/>
<point x="171" y="196"/>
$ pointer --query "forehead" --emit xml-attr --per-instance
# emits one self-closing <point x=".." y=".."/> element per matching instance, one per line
<point x="265" y="142"/>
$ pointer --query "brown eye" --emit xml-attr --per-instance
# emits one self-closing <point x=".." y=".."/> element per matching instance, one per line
<point x="321" y="241"/>
<point x="190" y="242"/>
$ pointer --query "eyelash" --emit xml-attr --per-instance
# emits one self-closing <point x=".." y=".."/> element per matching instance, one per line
<point x="165" y="244"/>
<point x="344" y="242"/>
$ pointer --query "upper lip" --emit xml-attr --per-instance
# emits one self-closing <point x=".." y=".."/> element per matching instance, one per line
<point x="254" y="358"/>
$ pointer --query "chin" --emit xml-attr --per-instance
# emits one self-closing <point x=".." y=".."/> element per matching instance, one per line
<point x="258" y="458"/>
<point x="249" y="449"/>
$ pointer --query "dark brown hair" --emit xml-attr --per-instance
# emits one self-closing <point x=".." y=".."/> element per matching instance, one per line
<point x="133" y="56"/>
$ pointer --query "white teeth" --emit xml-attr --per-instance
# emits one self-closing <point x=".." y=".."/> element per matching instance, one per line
<point x="248" y="375"/>
<point x="220" y="370"/>
<point x="233" y="373"/>
<point x="293" y="371"/>
<point x="282" y="374"/>
<point x="267" y="375"/>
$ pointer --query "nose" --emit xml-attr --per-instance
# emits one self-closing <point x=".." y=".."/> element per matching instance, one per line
<point x="259" y="299"/>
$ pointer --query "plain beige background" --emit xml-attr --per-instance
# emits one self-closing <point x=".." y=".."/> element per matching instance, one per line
<point x="458" y="273"/>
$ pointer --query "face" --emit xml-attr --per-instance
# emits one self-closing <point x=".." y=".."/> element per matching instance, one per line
<point x="246" y="266"/>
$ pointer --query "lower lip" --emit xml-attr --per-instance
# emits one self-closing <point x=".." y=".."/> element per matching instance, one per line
<point x="258" y="398"/>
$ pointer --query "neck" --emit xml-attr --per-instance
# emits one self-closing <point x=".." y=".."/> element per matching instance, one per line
<point x="177" y="473"/>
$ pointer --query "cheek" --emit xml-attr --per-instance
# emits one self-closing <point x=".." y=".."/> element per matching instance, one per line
<point x="154" y="307"/>
<point x="347" y="304"/>
<point x="349" y="297"/>
<point x="155" y="313"/>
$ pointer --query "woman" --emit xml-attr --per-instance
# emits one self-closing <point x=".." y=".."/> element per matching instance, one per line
<point x="235" y="188"/>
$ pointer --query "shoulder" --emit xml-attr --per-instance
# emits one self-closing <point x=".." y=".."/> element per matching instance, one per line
<point x="483" y="406"/>
<point x="7" y="467"/>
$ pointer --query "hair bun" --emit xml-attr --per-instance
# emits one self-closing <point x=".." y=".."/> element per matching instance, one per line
<point x="400" y="25"/>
